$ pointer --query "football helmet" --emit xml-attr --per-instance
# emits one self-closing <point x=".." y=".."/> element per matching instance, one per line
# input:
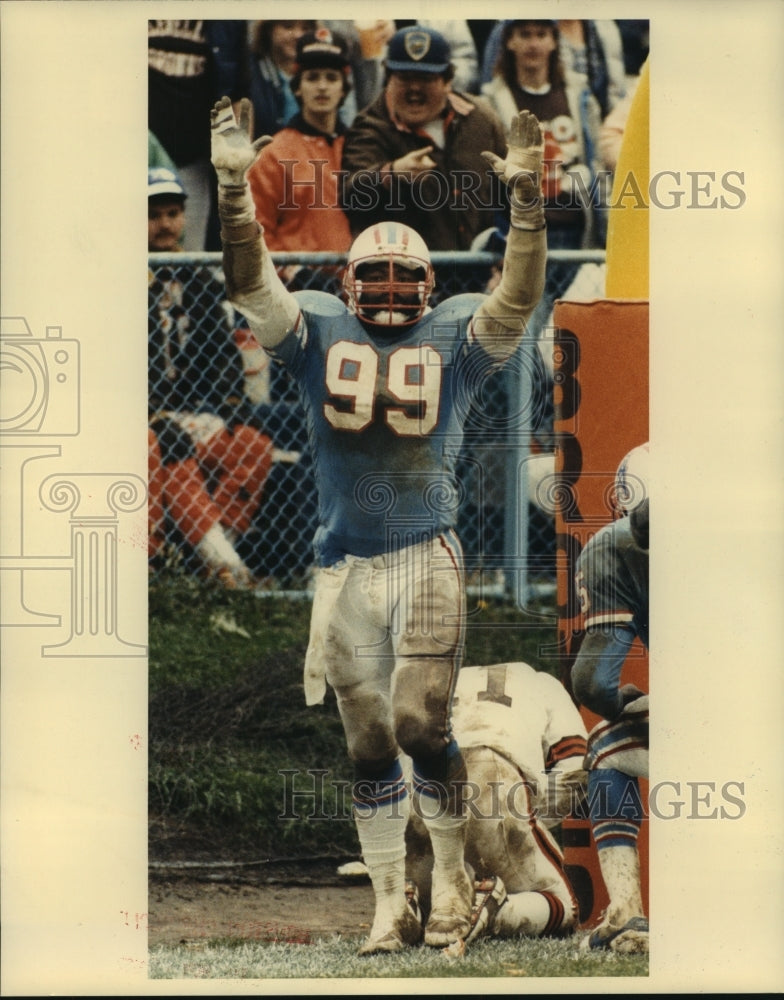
<point x="391" y="301"/>
<point x="631" y="480"/>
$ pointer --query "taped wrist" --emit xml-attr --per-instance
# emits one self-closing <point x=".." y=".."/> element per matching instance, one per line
<point x="237" y="212"/>
<point x="526" y="205"/>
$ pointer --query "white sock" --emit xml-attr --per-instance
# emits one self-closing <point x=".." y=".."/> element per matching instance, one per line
<point x="381" y="830"/>
<point x="447" y="838"/>
<point x="525" y="913"/>
<point x="620" y="867"/>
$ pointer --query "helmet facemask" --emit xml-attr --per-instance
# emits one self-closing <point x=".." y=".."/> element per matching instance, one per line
<point x="386" y="281"/>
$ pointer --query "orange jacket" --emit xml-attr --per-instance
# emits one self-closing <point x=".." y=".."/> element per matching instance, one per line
<point x="294" y="184"/>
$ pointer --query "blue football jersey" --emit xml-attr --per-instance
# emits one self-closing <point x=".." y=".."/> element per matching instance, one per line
<point x="612" y="580"/>
<point x="385" y="416"/>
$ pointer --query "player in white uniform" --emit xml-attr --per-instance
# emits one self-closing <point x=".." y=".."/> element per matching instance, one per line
<point x="386" y="383"/>
<point x="612" y="580"/>
<point x="523" y="741"/>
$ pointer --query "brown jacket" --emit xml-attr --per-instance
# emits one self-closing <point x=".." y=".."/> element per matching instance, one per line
<point x="450" y="205"/>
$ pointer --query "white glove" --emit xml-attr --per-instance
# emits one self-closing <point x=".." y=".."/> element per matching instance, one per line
<point x="233" y="152"/>
<point x="521" y="171"/>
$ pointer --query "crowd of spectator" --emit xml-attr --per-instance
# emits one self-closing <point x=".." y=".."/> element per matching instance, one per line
<point x="370" y="120"/>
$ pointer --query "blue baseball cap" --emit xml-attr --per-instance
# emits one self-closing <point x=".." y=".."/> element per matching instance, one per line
<point x="161" y="180"/>
<point x="418" y="49"/>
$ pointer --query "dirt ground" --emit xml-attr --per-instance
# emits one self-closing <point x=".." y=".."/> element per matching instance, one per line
<point x="183" y="909"/>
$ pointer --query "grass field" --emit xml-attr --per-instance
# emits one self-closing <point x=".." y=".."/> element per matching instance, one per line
<point x="338" y="959"/>
<point x="227" y="717"/>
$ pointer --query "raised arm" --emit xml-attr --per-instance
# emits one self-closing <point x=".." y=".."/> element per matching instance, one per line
<point x="499" y="323"/>
<point x="252" y="283"/>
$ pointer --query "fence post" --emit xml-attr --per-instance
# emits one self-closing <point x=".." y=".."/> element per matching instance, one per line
<point x="519" y="384"/>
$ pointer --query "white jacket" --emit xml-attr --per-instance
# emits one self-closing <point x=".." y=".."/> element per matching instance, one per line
<point x="584" y="109"/>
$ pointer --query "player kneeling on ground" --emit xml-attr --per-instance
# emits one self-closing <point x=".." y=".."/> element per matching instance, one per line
<point x="612" y="580"/>
<point x="523" y="741"/>
<point x="386" y="382"/>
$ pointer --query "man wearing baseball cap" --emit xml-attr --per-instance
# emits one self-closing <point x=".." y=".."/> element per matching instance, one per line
<point x="320" y="49"/>
<point x="194" y="406"/>
<point x="414" y="154"/>
<point x="165" y="210"/>
<point x="294" y="182"/>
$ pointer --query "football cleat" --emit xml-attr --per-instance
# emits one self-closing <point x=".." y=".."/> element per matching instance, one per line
<point x="450" y="913"/>
<point x="405" y="931"/>
<point x="489" y="897"/>
<point x="630" y="939"/>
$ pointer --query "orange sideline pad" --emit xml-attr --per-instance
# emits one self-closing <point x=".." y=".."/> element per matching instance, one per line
<point x="601" y="412"/>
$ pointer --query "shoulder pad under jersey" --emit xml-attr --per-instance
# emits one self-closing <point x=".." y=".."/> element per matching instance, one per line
<point x="320" y="303"/>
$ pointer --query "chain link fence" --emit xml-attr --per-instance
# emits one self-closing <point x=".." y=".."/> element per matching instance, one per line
<point x="230" y="470"/>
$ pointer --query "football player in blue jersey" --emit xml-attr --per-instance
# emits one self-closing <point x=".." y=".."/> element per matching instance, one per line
<point x="386" y="382"/>
<point x="612" y="580"/>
